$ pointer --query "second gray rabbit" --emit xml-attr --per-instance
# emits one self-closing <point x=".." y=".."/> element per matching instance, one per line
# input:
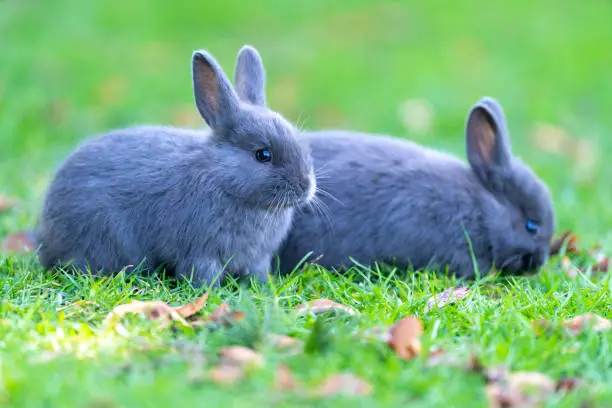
<point x="201" y="202"/>
<point x="394" y="201"/>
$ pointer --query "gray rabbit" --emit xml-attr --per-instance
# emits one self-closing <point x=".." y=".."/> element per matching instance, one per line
<point x="396" y="202"/>
<point x="197" y="202"/>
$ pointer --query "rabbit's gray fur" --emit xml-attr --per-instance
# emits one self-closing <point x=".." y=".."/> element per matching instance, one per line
<point x="393" y="201"/>
<point x="183" y="198"/>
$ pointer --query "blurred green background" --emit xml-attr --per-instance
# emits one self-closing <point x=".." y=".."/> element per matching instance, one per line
<point x="72" y="68"/>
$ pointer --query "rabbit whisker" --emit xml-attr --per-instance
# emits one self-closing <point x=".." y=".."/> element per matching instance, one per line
<point x="319" y="207"/>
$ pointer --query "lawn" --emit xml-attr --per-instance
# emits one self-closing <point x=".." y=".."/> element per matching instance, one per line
<point x="71" y="68"/>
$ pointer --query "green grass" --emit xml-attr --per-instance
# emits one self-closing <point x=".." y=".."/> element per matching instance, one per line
<point x="72" y="68"/>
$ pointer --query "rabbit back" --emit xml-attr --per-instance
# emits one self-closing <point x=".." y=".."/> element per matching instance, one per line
<point x="385" y="200"/>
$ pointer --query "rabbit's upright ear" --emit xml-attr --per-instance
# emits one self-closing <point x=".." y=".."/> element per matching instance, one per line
<point x="488" y="145"/>
<point x="214" y="95"/>
<point x="250" y="76"/>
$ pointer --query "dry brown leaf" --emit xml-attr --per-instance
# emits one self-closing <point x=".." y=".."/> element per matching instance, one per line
<point x="285" y="343"/>
<point x="235" y="360"/>
<point x="567" y="237"/>
<point x="440" y="357"/>
<point x="6" y="204"/>
<point x="223" y="315"/>
<point x="520" y="389"/>
<point x="158" y="310"/>
<point x="21" y="242"/>
<point x="499" y="397"/>
<point x="226" y="374"/>
<point x="588" y="321"/>
<point x="192" y="308"/>
<point x="284" y="380"/>
<point x="568" y="384"/>
<point x="405" y="337"/>
<point x="602" y="265"/>
<point x="523" y="380"/>
<point x="240" y="356"/>
<point x="152" y="310"/>
<point x="449" y="296"/>
<point x="495" y="374"/>
<point x="568" y="267"/>
<point x="323" y="306"/>
<point x="343" y="384"/>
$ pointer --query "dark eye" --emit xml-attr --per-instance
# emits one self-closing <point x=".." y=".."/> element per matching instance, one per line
<point x="532" y="227"/>
<point x="263" y="155"/>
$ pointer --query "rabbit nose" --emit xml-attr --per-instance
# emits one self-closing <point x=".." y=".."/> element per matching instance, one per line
<point x="305" y="183"/>
<point x="528" y="262"/>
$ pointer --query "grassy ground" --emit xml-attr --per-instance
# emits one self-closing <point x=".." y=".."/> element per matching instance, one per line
<point x="70" y="68"/>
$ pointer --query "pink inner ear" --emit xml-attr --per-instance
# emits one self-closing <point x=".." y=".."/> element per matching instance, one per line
<point x="206" y="81"/>
<point x="484" y="136"/>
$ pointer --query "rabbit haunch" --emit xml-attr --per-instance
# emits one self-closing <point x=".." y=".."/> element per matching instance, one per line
<point x="198" y="203"/>
<point x="394" y="201"/>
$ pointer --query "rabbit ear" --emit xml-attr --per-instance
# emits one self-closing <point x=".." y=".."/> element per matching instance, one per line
<point x="214" y="95"/>
<point x="488" y="145"/>
<point x="250" y="76"/>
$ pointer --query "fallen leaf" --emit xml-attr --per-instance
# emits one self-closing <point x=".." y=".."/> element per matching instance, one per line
<point x="285" y="343"/>
<point x="568" y="384"/>
<point x="540" y="382"/>
<point x="343" y="384"/>
<point x="224" y="316"/>
<point x="225" y="374"/>
<point x="520" y="389"/>
<point x="601" y="266"/>
<point x="158" y="310"/>
<point x="495" y="374"/>
<point x="6" y="204"/>
<point x="440" y="357"/>
<point x="235" y="360"/>
<point x="192" y="308"/>
<point x="21" y="242"/>
<point x="405" y="337"/>
<point x="379" y="334"/>
<point x="318" y="306"/>
<point x="449" y="296"/>
<point x="499" y="397"/>
<point x="588" y="321"/>
<point x="284" y="380"/>
<point x="152" y="310"/>
<point x="240" y="356"/>
<point x="569" y="239"/>
<point x="568" y="267"/>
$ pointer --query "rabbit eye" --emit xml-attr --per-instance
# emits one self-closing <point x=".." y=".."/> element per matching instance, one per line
<point x="532" y="227"/>
<point x="263" y="155"/>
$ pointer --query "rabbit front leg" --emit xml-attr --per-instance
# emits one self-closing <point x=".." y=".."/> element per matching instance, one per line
<point x="202" y="271"/>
